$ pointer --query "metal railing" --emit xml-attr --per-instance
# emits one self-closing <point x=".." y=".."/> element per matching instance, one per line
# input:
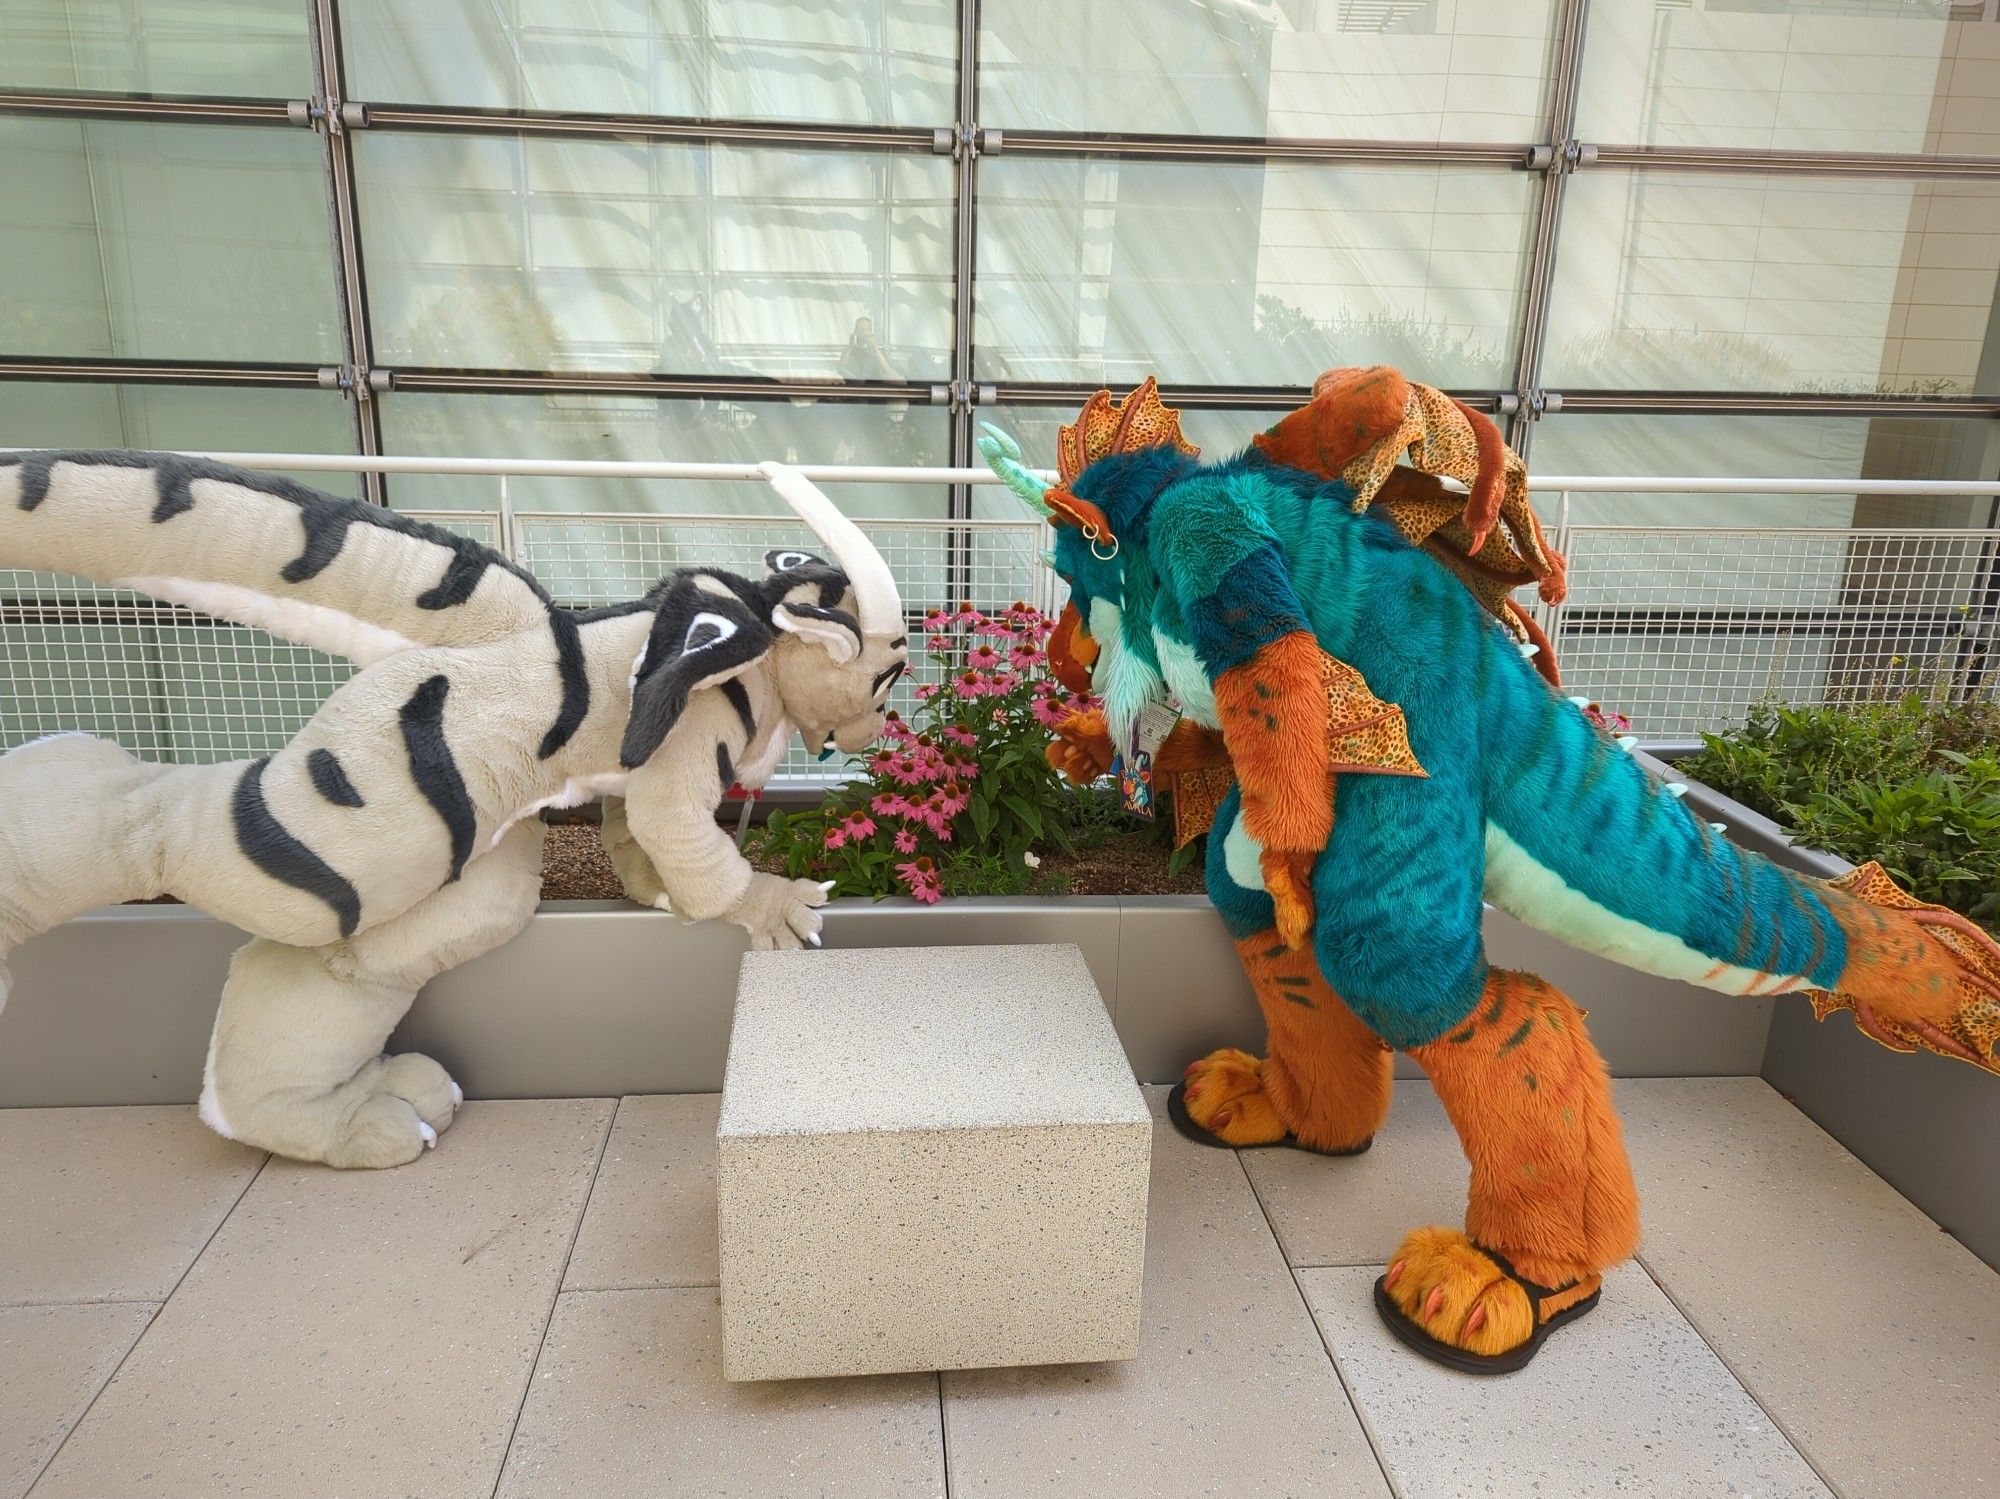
<point x="1681" y="628"/>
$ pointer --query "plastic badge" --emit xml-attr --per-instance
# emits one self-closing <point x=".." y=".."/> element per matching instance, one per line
<point x="1134" y="767"/>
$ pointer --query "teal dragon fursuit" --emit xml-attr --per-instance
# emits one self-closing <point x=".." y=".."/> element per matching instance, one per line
<point x="1398" y="754"/>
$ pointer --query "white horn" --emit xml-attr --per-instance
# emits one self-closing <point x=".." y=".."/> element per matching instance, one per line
<point x="879" y="605"/>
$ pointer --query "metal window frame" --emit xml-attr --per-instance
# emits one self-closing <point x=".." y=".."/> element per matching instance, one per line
<point x="334" y="116"/>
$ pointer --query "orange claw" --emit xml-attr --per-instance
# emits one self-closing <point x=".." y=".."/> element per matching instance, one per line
<point x="1288" y="879"/>
<point x="1395" y="1274"/>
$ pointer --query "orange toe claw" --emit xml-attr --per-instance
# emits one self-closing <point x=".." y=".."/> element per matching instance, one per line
<point x="1432" y="1306"/>
<point x="1476" y="1321"/>
<point x="1395" y="1274"/>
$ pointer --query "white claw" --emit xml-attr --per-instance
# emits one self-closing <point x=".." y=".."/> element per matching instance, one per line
<point x="1720" y="827"/>
<point x="1531" y="649"/>
<point x="814" y="939"/>
<point x="1677" y="788"/>
<point x="457" y="1095"/>
<point x="1581" y="702"/>
<point x="1628" y="742"/>
<point x="430" y="1135"/>
<point x="827" y="885"/>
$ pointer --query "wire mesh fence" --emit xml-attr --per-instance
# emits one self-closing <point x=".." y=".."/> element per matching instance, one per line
<point x="1685" y="631"/>
<point x="163" y="681"/>
<point x="173" y="685"/>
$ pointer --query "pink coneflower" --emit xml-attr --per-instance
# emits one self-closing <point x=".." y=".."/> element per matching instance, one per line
<point x="937" y="620"/>
<point x="958" y="768"/>
<point x="890" y="804"/>
<point x="928" y="894"/>
<point x="905" y="772"/>
<point x="928" y="690"/>
<point x="906" y="841"/>
<point x="894" y="727"/>
<point x="836" y="836"/>
<point x="1003" y="682"/>
<point x="952" y="799"/>
<point x="859" y="825"/>
<point x="939" y="643"/>
<point x="1025" y="658"/>
<point x="922" y="877"/>
<point x="961" y="736"/>
<point x="969" y="684"/>
<point x="967" y="615"/>
<point x="982" y="657"/>
<point x="1049" y="711"/>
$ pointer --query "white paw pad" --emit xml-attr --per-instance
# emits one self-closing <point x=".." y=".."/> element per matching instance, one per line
<point x="430" y="1135"/>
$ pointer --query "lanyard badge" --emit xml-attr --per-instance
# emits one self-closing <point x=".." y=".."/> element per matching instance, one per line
<point x="1134" y="767"/>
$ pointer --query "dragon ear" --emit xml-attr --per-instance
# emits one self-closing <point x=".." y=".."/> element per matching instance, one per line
<point x="703" y="634"/>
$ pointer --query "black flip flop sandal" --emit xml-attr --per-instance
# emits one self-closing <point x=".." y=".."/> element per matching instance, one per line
<point x="1466" y="1362"/>
<point x="1184" y="1122"/>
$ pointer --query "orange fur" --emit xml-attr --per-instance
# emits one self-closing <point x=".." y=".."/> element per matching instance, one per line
<point x="1225" y="1095"/>
<point x="1527" y="1092"/>
<point x="1351" y="410"/>
<point x="1917" y="975"/>
<point x="1273" y="711"/>
<point x="1072" y="651"/>
<point x="1081" y="747"/>
<point x="1482" y="509"/>
<point x="1327" y="1075"/>
<point x="1444" y="1284"/>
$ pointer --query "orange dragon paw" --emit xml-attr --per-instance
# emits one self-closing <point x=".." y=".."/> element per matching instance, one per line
<point x="1081" y="749"/>
<point x="1224" y="1094"/>
<point x="1965" y="1017"/>
<point x="1288" y="880"/>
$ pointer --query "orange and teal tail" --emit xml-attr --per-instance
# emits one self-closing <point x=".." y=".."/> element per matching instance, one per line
<point x="1581" y="843"/>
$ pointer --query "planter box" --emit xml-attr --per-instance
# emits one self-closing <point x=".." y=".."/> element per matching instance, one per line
<point x="1915" y="1120"/>
<point x="599" y="999"/>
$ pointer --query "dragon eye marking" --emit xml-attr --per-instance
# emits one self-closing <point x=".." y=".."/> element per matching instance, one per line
<point x="785" y="561"/>
<point x="706" y="630"/>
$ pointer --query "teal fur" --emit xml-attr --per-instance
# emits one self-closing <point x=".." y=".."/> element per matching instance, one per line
<point x="1398" y="889"/>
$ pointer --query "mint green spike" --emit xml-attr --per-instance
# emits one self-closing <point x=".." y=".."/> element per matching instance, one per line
<point x="1003" y="456"/>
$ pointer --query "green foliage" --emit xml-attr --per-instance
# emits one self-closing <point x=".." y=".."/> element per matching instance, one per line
<point x="1911" y="783"/>
<point x="956" y="802"/>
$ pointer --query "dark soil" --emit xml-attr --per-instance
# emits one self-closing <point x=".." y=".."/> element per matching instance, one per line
<point x="574" y="867"/>
<point x="1127" y="864"/>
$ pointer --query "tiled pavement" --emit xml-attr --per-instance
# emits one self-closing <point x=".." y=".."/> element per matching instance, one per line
<point x="530" y="1310"/>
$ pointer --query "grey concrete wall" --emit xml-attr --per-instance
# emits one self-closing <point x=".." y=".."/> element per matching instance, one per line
<point x="597" y="999"/>
<point x="1924" y="1123"/>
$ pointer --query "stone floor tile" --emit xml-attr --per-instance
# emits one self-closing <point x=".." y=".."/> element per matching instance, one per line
<point x="1627" y="1400"/>
<point x="1354" y="1210"/>
<point x="354" y="1332"/>
<point x="110" y="1204"/>
<point x="1871" y="1335"/>
<point x="629" y="1399"/>
<point x="1232" y="1392"/>
<point x="53" y="1361"/>
<point x="651" y="1219"/>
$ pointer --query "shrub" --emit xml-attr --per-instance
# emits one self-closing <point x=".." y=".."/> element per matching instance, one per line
<point x="953" y="803"/>
<point x="1911" y="783"/>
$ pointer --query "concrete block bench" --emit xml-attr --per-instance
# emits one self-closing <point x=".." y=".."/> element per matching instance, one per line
<point x="930" y="1158"/>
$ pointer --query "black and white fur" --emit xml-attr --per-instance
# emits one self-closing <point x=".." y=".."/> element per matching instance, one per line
<point x="396" y="835"/>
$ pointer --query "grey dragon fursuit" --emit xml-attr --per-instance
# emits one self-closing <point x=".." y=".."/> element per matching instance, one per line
<point x="397" y="834"/>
